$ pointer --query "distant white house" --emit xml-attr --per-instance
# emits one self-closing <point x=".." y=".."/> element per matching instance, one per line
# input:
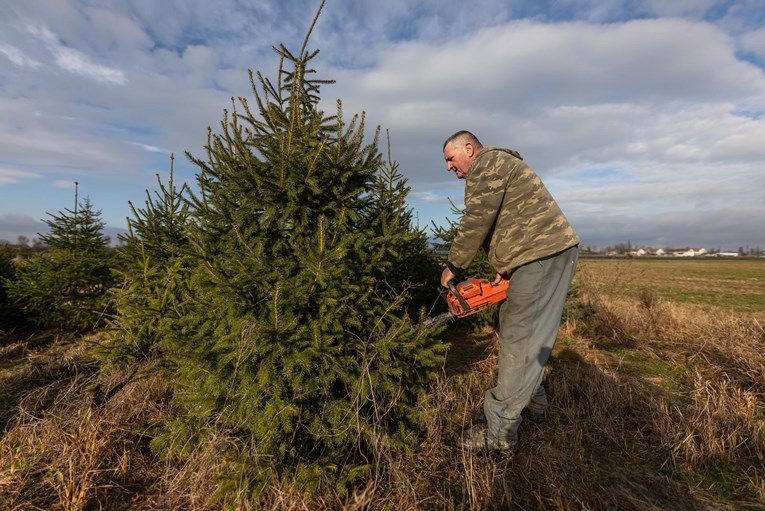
<point x="643" y="251"/>
<point x="727" y="254"/>
<point x="691" y="252"/>
<point x="648" y="251"/>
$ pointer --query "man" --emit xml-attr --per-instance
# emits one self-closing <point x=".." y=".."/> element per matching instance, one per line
<point x="510" y="213"/>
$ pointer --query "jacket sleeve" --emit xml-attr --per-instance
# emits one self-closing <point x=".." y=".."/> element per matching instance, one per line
<point x="484" y="194"/>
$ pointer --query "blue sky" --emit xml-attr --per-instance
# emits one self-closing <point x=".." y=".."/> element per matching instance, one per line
<point x="644" y="118"/>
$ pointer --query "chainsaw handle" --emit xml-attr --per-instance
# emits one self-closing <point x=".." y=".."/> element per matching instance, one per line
<point x="463" y="303"/>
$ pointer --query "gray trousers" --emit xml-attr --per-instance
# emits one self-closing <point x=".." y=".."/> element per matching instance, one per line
<point x="528" y="326"/>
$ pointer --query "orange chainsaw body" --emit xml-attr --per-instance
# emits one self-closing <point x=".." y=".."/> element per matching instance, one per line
<point x="477" y="294"/>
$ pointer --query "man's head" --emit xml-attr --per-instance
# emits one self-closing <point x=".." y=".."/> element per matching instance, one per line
<point x="460" y="150"/>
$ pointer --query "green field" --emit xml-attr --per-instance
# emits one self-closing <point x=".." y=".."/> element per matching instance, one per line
<point x="737" y="285"/>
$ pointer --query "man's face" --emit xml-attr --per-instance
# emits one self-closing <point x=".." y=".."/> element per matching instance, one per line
<point x="459" y="157"/>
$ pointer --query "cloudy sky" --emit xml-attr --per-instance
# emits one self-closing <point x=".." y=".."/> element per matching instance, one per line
<point x="643" y="117"/>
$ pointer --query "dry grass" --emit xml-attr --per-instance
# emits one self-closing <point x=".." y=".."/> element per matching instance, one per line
<point x="654" y="405"/>
<point x="63" y="449"/>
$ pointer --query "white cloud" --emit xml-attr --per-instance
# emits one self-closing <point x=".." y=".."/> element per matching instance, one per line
<point x="524" y="65"/>
<point x="66" y="185"/>
<point x="78" y="63"/>
<point x="754" y="42"/>
<point x="150" y="148"/>
<point x="18" y="57"/>
<point x="113" y="29"/>
<point x="571" y="95"/>
<point x="9" y="175"/>
<point x="74" y="61"/>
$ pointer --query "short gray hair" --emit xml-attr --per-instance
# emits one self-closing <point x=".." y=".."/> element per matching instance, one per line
<point x="463" y="136"/>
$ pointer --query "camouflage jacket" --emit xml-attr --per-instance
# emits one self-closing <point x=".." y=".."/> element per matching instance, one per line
<point x="508" y="212"/>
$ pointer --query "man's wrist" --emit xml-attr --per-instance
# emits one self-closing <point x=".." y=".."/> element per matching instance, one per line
<point x="458" y="272"/>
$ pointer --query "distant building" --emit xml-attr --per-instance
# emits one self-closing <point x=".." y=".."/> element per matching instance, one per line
<point x="689" y="252"/>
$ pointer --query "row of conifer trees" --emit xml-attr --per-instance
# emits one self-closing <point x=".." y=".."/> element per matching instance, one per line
<point x="276" y="296"/>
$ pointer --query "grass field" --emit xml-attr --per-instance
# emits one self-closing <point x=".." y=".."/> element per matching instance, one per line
<point x="657" y="402"/>
<point x="736" y="285"/>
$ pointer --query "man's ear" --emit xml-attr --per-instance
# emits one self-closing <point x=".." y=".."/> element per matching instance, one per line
<point x="469" y="149"/>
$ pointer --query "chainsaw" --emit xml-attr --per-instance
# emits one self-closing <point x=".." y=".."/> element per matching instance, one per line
<point x="469" y="297"/>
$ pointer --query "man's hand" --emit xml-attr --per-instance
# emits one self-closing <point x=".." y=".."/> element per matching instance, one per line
<point x="446" y="276"/>
<point x="499" y="278"/>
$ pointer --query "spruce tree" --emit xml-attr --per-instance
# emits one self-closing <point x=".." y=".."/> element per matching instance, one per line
<point x="286" y="343"/>
<point x="404" y="261"/>
<point x="152" y="274"/>
<point x="67" y="285"/>
<point x="11" y="315"/>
